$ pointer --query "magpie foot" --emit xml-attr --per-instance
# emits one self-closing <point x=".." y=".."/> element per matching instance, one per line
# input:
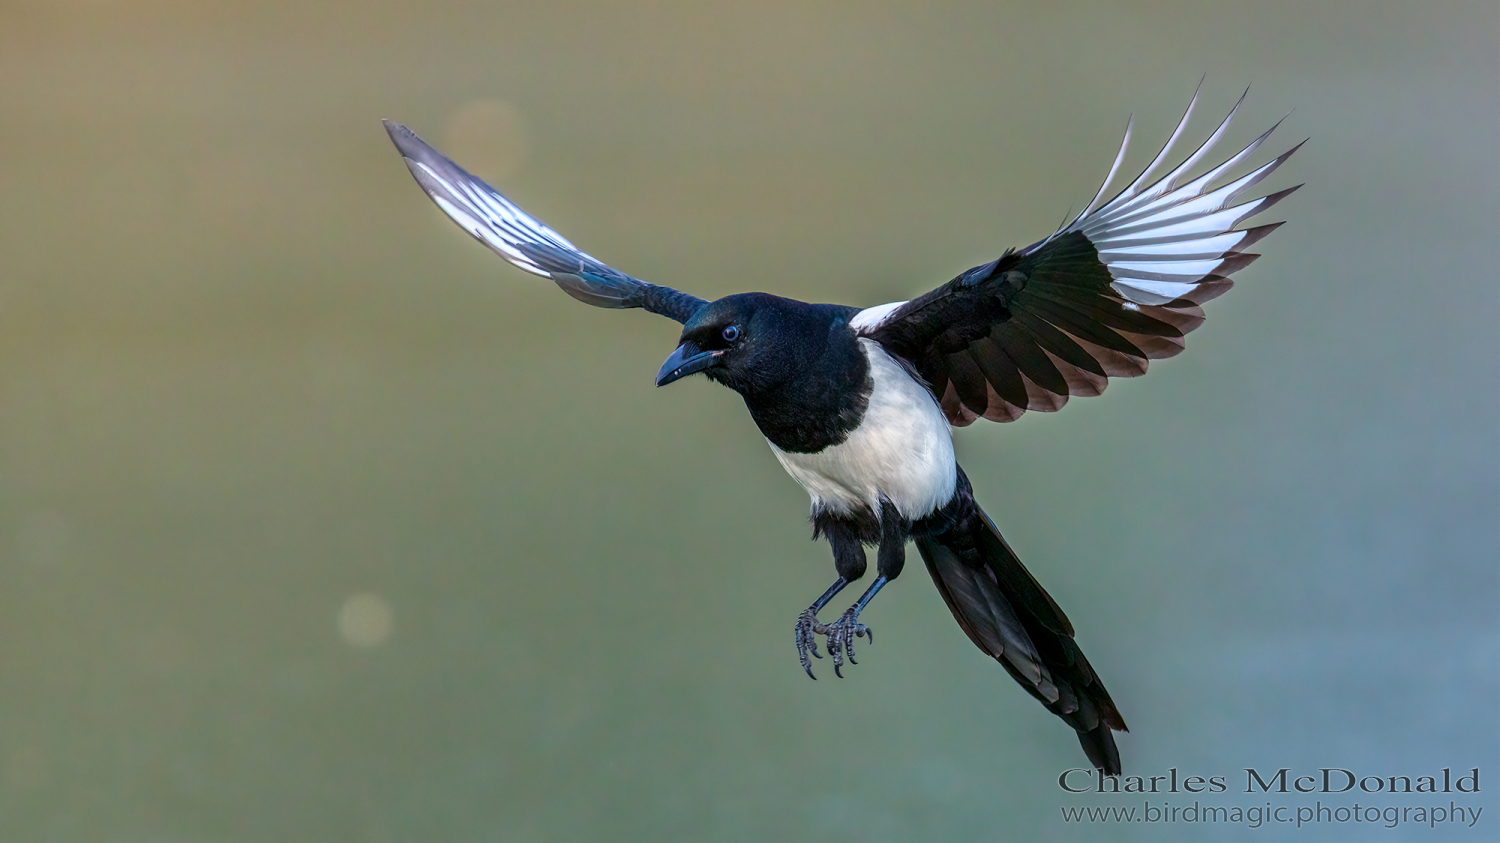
<point x="807" y="625"/>
<point x="841" y="634"/>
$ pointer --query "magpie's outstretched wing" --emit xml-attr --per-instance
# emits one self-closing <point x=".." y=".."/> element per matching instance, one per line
<point x="1115" y="288"/>
<point x="526" y="241"/>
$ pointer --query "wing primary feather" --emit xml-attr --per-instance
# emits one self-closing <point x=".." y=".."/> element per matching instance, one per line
<point x="1119" y="158"/>
<point x="1113" y="245"/>
<point x="525" y="241"/>
<point x="1169" y="181"/>
<point x="1192" y="198"/>
<point x="1204" y="291"/>
<point x="1171" y="178"/>
<point x="1166" y="149"/>
<point x="1201" y="224"/>
<point x="1254" y="235"/>
<point x="1195" y="188"/>
<point x="1184" y="271"/>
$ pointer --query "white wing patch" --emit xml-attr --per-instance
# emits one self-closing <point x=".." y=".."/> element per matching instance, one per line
<point x="493" y="220"/>
<point x="485" y="213"/>
<point x="488" y="237"/>
<point x="1160" y="240"/>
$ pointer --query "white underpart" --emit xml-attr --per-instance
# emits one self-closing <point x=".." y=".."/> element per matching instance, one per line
<point x="902" y="448"/>
<point x="870" y="318"/>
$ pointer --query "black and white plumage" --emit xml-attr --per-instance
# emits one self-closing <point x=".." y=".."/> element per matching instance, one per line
<point x="858" y="405"/>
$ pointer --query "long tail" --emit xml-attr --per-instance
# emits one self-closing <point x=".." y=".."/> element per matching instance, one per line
<point x="1008" y="615"/>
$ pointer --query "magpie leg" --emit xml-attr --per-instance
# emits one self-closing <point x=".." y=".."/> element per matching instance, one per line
<point x="849" y="560"/>
<point x="890" y="559"/>
<point x="842" y="632"/>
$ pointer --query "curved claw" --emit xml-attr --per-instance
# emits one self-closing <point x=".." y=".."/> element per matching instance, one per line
<point x="804" y="632"/>
<point x="841" y="634"/>
<point x="851" y="632"/>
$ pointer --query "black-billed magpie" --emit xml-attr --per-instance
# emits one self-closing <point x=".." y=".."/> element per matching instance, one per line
<point x="858" y="404"/>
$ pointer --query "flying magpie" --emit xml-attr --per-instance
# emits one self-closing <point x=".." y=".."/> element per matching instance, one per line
<point x="858" y="405"/>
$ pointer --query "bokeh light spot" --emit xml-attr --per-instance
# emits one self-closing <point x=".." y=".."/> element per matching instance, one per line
<point x="365" y="620"/>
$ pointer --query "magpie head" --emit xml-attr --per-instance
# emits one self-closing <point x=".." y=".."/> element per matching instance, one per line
<point x="748" y="342"/>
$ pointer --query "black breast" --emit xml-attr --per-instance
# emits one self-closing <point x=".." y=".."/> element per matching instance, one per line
<point x="823" y="403"/>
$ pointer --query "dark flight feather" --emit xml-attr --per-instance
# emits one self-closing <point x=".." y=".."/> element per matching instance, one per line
<point x="1118" y="286"/>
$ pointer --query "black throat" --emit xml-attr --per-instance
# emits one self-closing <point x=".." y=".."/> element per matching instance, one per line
<point x="825" y="400"/>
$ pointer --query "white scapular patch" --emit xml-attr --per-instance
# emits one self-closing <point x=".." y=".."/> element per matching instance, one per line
<point x="902" y="448"/>
<point x="870" y="318"/>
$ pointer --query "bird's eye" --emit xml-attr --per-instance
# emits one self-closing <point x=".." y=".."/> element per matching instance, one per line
<point x="731" y="333"/>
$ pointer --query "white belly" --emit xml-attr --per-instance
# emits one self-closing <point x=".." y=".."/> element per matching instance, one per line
<point x="903" y="448"/>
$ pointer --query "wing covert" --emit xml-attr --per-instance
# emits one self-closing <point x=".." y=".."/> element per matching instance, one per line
<point x="1118" y="286"/>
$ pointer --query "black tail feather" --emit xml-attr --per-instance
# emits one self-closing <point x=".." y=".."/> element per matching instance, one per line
<point x="1008" y="615"/>
<point x="1099" y="746"/>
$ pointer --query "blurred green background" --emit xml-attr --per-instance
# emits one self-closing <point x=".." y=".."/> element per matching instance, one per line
<point x="318" y="522"/>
